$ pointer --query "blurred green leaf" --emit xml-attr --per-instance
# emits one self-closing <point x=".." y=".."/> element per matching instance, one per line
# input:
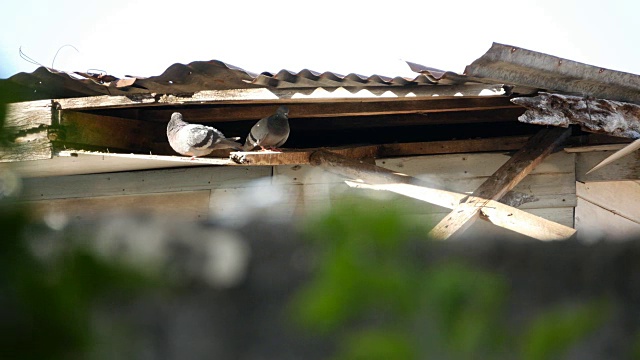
<point x="555" y="330"/>
<point x="376" y="344"/>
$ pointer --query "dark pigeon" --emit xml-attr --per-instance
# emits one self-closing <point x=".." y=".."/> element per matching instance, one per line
<point x="196" y="140"/>
<point x="270" y="132"/>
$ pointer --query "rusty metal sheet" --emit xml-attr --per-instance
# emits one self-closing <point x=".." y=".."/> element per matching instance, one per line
<point x="594" y="115"/>
<point x="508" y="64"/>
<point x="208" y="75"/>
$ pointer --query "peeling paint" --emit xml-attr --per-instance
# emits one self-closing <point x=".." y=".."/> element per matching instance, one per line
<point x="593" y="115"/>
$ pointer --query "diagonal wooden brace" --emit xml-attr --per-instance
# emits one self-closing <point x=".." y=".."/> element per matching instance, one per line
<point x="503" y="180"/>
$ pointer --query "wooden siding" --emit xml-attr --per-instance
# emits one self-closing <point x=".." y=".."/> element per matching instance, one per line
<point x="287" y="190"/>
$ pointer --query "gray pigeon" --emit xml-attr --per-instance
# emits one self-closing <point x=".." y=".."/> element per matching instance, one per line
<point x="270" y="132"/>
<point x="196" y="140"/>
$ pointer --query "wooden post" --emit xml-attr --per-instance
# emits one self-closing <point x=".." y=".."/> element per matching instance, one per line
<point x="503" y="180"/>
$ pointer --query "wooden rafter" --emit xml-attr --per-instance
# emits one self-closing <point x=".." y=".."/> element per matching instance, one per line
<point x="503" y="180"/>
<point x="374" y="177"/>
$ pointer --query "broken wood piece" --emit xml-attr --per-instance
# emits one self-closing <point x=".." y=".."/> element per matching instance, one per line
<point x="503" y="180"/>
<point x="378" y="178"/>
<point x="617" y="155"/>
<point x="593" y="115"/>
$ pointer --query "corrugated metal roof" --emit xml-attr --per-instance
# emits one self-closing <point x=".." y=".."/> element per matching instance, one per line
<point x="502" y="64"/>
<point x="209" y="75"/>
<point x="512" y="65"/>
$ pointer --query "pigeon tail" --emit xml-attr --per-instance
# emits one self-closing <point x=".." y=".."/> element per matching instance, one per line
<point x="227" y="143"/>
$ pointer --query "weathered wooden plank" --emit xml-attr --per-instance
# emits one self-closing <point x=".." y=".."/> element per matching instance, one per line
<point x="110" y="132"/>
<point x="601" y="147"/>
<point x="34" y="145"/>
<point x="503" y="180"/>
<point x="295" y="157"/>
<point x="186" y="205"/>
<point x="274" y="95"/>
<point x="26" y="125"/>
<point x="141" y="182"/>
<point x="626" y="168"/>
<point x="28" y="115"/>
<point x="453" y="146"/>
<point x="105" y="101"/>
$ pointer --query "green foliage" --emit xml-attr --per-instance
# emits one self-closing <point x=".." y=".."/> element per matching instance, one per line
<point x="371" y="286"/>
<point x="555" y="330"/>
<point x="635" y="348"/>
<point x="372" y="293"/>
<point x="375" y="344"/>
<point x="467" y="306"/>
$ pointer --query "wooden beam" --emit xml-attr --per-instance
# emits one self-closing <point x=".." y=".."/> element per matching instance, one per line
<point x="26" y="125"/>
<point x="383" y="179"/>
<point x="265" y="96"/>
<point x="502" y="181"/>
<point x="28" y="115"/>
<point x="603" y="147"/>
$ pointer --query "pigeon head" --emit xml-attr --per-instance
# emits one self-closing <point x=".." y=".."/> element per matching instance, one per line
<point x="176" y="122"/>
<point x="176" y="117"/>
<point x="283" y="111"/>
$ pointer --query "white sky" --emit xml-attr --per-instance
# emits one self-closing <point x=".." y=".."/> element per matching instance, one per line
<point x="366" y="37"/>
